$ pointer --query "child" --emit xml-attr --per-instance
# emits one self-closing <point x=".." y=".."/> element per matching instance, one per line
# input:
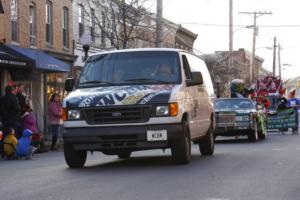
<point x="24" y="148"/>
<point x="29" y="122"/>
<point x="9" y="144"/>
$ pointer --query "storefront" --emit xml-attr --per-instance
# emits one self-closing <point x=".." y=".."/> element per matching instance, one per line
<point x="14" y="67"/>
<point x="41" y="74"/>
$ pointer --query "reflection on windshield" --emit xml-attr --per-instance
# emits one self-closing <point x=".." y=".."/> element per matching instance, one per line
<point x="151" y="67"/>
<point x="234" y="104"/>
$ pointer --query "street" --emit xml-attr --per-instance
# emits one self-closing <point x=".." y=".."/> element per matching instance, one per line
<point x="239" y="170"/>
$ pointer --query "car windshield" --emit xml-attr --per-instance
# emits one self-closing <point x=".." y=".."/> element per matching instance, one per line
<point x="234" y="104"/>
<point x="141" y="67"/>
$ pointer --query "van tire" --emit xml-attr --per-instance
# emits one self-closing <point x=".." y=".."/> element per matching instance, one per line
<point x="207" y="143"/>
<point x="181" y="149"/>
<point x="74" y="158"/>
<point x="124" y="155"/>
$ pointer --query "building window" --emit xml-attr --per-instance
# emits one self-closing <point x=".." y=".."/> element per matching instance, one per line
<point x="49" y="22"/>
<point x="14" y="18"/>
<point x="93" y="24"/>
<point x="103" y="21"/>
<point x="81" y="20"/>
<point x="66" y="27"/>
<point x="32" y="24"/>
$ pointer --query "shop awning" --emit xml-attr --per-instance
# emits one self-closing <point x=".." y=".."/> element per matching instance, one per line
<point x="42" y="60"/>
<point x="10" y="58"/>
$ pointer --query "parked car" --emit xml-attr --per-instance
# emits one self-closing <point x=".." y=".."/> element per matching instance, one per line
<point x="139" y="99"/>
<point x="238" y="116"/>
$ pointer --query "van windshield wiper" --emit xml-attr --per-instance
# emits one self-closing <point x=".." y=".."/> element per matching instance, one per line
<point x="96" y="82"/>
<point x="146" y="80"/>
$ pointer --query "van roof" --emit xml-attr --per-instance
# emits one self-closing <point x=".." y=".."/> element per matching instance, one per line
<point x="142" y="49"/>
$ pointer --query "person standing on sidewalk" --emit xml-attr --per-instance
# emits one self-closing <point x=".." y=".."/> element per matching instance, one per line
<point x="21" y="97"/>
<point x="54" y="117"/>
<point x="11" y="111"/>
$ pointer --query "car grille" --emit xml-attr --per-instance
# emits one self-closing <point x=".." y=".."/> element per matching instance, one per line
<point x="117" y="114"/>
<point x="225" y="118"/>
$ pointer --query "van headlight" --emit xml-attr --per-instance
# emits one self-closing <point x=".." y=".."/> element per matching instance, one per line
<point x="74" y="114"/>
<point x="162" y="110"/>
<point x="170" y="109"/>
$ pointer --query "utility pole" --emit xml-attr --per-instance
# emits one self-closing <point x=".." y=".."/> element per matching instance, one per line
<point x="274" y="57"/>
<point x="230" y="39"/>
<point x="159" y="20"/>
<point x="279" y="60"/>
<point x="255" y="15"/>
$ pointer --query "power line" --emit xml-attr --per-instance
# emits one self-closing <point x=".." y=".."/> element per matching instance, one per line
<point x="237" y="26"/>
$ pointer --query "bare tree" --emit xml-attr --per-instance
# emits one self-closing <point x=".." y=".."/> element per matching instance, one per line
<point x="120" y="21"/>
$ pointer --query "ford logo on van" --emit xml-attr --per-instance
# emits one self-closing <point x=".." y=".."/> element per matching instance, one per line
<point x="116" y="114"/>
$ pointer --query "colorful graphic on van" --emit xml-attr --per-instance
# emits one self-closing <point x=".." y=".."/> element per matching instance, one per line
<point x="120" y="95"/>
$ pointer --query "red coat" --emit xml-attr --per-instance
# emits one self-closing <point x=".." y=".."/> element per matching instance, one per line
<point x="54" y="113"/>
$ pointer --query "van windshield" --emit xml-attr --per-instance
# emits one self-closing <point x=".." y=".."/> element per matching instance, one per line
<point x="142" y="67"/>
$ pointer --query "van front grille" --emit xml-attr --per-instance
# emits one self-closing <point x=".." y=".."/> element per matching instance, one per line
<point x="117" y="114"/>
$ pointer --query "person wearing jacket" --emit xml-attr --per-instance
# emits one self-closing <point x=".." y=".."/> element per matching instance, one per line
<point x="54" y="117"/>
<point x="10" y="144"/>
<point x="10" y="111"/>
<point x="24" y="148"/>
<point x="29" y="122"/>
<point x="1" y="145"/>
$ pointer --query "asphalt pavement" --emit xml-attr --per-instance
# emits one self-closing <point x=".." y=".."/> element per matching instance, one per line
<point x="239" y="170"/>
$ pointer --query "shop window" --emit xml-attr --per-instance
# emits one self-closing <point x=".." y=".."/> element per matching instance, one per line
<point x="56" y="84"/>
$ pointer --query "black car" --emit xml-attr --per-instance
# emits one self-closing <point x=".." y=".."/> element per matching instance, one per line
<point x="238" y="116"/>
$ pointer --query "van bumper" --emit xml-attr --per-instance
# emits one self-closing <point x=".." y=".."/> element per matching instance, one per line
<point x="131" y="138"/>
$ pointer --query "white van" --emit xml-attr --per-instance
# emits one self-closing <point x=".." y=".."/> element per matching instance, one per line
<point x="139" y="99"/>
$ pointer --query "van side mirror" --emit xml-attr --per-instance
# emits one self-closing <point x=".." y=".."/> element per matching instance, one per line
<point x="197" y="79"/>
<point x="69" y="84"/>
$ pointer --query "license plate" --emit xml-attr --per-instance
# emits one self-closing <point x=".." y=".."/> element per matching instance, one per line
<point x="156" y="135"/>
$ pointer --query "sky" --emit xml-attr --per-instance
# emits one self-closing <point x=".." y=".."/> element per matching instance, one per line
<point x="210" y="18"/>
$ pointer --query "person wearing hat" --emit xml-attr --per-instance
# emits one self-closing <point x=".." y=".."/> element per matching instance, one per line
<point x="24" y="147"/>
<point x="10" y="144"/>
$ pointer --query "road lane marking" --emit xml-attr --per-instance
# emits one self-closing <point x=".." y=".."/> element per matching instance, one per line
<point x="279" y="149"/>
<point x="215" y="199"/>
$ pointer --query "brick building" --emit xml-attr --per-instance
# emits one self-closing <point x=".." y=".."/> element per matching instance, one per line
<point x="40" y="31"/>
<point x="218" y="66"/>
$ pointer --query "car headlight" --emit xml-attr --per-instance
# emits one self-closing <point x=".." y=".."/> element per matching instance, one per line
<point x="73" y="114"/>
<point x="170" y="109"/>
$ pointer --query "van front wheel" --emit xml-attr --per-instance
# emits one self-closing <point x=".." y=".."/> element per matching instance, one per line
<point x="181" y="149"/>
<point x="74" y="158"/>
<point x="207" y="143"/>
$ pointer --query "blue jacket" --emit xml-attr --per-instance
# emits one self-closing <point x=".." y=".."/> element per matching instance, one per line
<point x="293" y="102"/>
<point x="24" y="143"/>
